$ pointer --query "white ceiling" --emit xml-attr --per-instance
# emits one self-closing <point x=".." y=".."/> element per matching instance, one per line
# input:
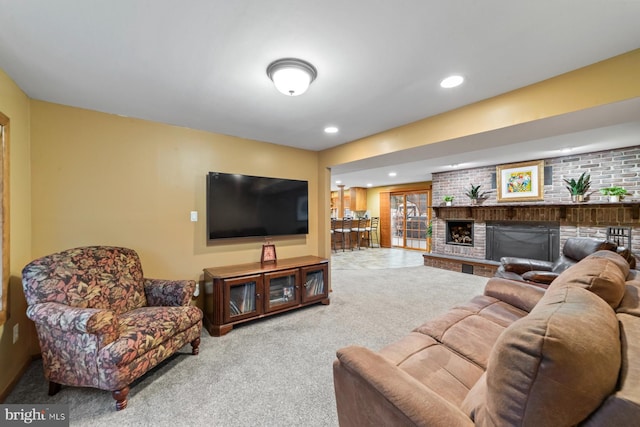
<point x="202" y="63"/>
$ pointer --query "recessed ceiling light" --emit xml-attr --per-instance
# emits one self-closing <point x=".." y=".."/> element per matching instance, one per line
<point x="392" y="174"/>
<point x="369" y="185"/>
<point x="338" y="182"/>
<point x="451" y="81"/>
<point x="565" y="150"/>
<point x="331" y="129"/>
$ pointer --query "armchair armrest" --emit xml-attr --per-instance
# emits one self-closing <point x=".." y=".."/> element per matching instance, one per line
<point x="542" y="277"/>
<point x="173" y="293"/>
<point x="518" y="294"/>
<point x="522" y="265"/>
<point x="372" y="391"/>
<point x="94" y="321"/>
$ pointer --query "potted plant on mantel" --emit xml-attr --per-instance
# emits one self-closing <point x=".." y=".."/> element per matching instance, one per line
<point x="447" y="200"/>
<point x="474" y="194"/>
<point x="614" y="193"/>
<point x="579" y="188"/>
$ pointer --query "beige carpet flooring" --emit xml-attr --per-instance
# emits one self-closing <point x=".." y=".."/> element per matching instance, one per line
<point x="276" y="371"/>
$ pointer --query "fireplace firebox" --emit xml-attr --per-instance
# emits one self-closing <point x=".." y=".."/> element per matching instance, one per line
<point x="459" y="232"/>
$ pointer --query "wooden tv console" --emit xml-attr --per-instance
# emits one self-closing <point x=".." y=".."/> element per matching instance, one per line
<point x="241" y="293"/>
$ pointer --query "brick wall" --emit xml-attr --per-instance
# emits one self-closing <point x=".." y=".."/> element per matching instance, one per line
<point x="613" y="167"/>
<point x="619" y="167"/>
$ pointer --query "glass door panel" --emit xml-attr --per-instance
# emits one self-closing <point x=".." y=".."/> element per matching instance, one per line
<point x="314" y="282"/>
<point x="281" y="289"/>
<point x="409" y="220"/>
<point x="244" y="297"/>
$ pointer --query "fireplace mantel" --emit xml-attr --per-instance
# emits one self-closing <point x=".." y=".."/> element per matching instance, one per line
<point x="624" y="213"/>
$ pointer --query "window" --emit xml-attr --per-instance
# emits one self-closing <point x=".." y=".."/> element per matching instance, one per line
<point x="4" y="214"/>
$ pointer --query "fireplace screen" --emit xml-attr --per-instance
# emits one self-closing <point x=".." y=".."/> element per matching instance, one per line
<point x="526" y="240"/>
<point x="459" y="233"/>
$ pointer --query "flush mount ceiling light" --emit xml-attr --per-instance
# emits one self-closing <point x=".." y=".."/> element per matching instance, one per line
<point x="451" y="81"/>
<point x="291" y="76"/>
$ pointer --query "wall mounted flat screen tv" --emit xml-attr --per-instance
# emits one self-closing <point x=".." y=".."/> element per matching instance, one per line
<point x="254" y="206"/>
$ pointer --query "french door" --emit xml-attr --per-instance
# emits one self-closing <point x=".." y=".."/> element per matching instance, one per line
<point x="410" y="217"/>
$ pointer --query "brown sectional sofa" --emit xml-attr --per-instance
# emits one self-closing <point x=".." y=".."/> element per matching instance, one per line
<point x="516" y="355"/>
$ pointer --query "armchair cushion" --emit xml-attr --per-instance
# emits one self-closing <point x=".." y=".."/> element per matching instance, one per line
<point x="145" y="328"/>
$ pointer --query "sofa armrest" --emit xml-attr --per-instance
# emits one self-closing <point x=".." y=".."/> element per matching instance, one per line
<point x="76" y="320"/>
<point x="522" y="265"/>
<point x="542" y="277"/>
<point x="371" y="391"/>
<point x="519" y="294"/>
<point x="168" y="293"/>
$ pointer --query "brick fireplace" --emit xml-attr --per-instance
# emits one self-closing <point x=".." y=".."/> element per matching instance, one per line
<point x="551" y="225"/>
<point x="619" y="167"/>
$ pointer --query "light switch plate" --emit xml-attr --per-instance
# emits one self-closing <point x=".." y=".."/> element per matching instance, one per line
<point x="194" y="216"/>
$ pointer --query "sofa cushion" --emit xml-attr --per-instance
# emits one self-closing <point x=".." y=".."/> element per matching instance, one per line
<point x="472" y="328"/>
<point x="146" y="328"/>
<point x="623" y="407"/>
<point x="553" y="367"/>
<point x="602" y="273"/>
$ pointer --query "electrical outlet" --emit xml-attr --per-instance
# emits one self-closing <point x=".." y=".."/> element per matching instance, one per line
<point x="16" y="332"/>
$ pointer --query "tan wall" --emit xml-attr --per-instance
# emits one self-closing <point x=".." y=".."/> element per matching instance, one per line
<point x="373" y="194"/>
<point x="104" y="179"/>
<point x="602" y="83"/>
<point x="14" y="357"/>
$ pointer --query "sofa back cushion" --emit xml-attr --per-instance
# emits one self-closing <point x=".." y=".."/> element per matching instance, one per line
<point x="552" y="367"/>
<point x="602" y="273"/>
<point x="578" y="248"/>
<point x="102" y="277"/>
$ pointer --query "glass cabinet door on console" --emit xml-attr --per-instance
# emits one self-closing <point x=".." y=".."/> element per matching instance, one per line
<point x="314" y="282"/>
<point x="282" y="289"/>
<point x="242" y="297"/>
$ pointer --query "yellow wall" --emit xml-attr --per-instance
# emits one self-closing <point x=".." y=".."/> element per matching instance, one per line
<point x="602" y="83"/>
<point x="14" y="357"/>
<point x="373" y="194"/>
<point x="104" y="179"/>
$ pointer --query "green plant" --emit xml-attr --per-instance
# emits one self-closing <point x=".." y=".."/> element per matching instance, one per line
<point x="613" y="191"/>
<point x="448" y="198"/>
<point x="429" y="231"/>
<point x="579" y="187"/>
<point x="474" y="192"/>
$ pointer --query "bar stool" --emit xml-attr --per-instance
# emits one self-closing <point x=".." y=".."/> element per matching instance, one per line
<point x="344" y="230"/>
<point x="373" y="231"/>
<point x="361" y="231"/>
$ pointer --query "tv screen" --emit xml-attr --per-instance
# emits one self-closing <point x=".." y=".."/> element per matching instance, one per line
<point x="254" y="206"/>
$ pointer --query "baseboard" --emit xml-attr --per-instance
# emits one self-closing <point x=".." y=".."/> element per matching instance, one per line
<point x="12" y="384"/>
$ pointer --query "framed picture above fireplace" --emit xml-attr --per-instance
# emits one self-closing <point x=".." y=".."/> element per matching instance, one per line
<point x="520" y="182"/>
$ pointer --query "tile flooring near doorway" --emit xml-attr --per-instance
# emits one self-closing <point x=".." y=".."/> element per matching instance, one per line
<point x="376" y="258"/>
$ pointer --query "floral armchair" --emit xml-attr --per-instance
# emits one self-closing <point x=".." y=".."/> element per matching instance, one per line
<point x="102" y="324"/>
